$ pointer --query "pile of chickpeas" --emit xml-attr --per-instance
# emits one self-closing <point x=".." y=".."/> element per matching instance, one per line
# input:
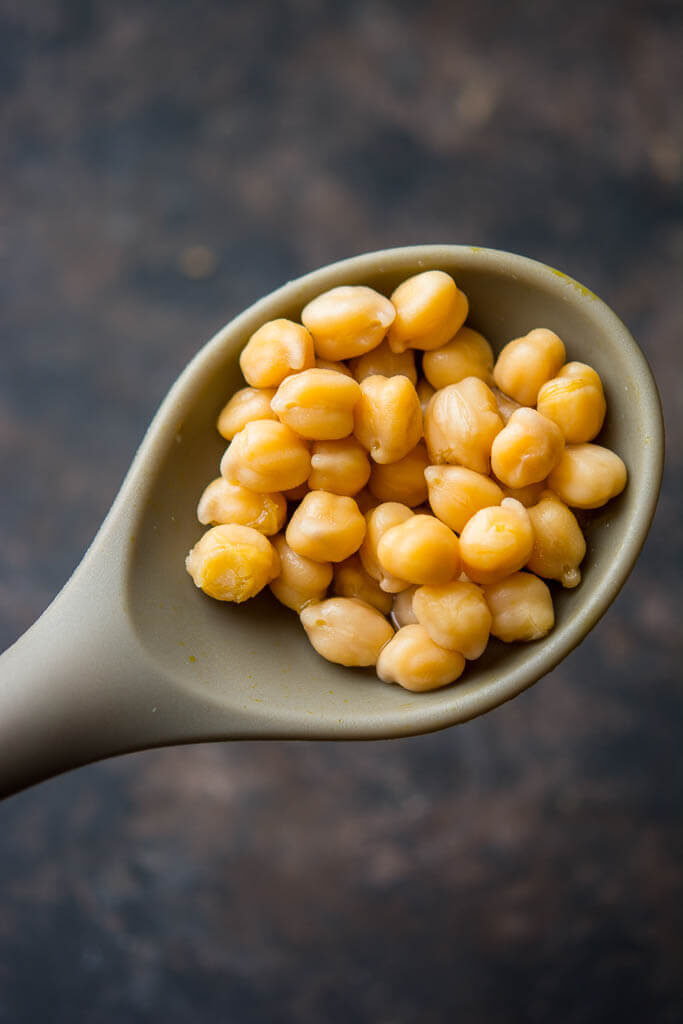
<point x="379" y="455"/>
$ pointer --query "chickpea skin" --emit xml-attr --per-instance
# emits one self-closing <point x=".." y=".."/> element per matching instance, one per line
<point x="468" y="354"/>
<point x="402" y="611"/>
<point x="387" y="417"/>
<point x="521" y="608"/>
<point x="496" y="542"/>
<point x="346" y="631"/>
<point x="526" y="363"/>
<point x="575" y="401"/>
<point x="275" y="350"/>
<point x="421" y="550"/>
<point x="559" y="546"/>
<point x="460" y="424"/>
<point x="348" y="321"/>
<point x="588" y="476"/>
<point x="415" y="662"/>
<point x="232" y="562"/>
<point x="326" y="527"/>
<point x="527" y="449"/>
<point x="430" y="309"/>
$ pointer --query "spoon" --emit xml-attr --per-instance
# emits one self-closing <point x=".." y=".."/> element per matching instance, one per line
<point x="131" y="655"/>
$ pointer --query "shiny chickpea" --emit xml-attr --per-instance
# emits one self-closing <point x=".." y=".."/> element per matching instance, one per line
<point x="430" y="309"/>
<point x="588" y="476"/>
<point x="346" y="631"/>
<point x="317" y="404"/>
<point x="232" y="562"/>
<point x="456" y="493"/>
<point x="468" y="354"/>
<point x="351" y="580"/>
<point x="496" y="542"/>
<point x="341" y="467"/>
<point x="326" y="527"/>
<point x="403" y="480"/>
<point x="223" y="502"/>
<point x="526" y="363"/>
<point x="348" y="321"/>
<point x="456" y="616"/>
<point x="506" y="405"/>
<point x="382" y="362"/>
<point x="559" y="546"/>
<point x="421" y="550"/>
<point x="379" y="520"/>
<point x="246" y="405"/>
<point x="575" y="401"/>
<point x="527" y="449"/>
<point x="402" y="611"/>
<point x="275" y="350"/>
<point x="301" y="580"/>
<point x="266" y="456"/>
<point x="415" y="662"/>
<point x="387" y="417"/>
<point x="521" y="608"/>
<point x="460" y="424"/>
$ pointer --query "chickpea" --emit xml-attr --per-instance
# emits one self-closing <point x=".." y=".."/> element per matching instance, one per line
<point x="381" y="361"/>
<point x="388" y="418"/>
<point x="379" y="520"/>
<point x="317" y="404"/>
<point x="456" y="616"/>
<point x="403" y="480"/>
<point x="232" y="562"/>
<point x="425" y="392"/>
<point x="346" y="630"/>
<point x="275" y="350"/>
<point x="338" y="367"/>
<point x="521" y="608"/>
<point x="430" y="309"/>
<point x="351" y="580"/>
<point x="526" y="363"/>
<point x="402" y="611"/>
<point x="559" y="546"/>
<point x="526" y="450"/>
<point x="506" y="405"/>
<point x="341" y="467"/>
<point x="421" y="550"/>
<point x="348" y="321"/>
<point x="245" y="405"/>
<point x="223" y="502"/>
<point x="575" y="401"/>
<point x="326" y="527"/>
<point x="496" y="542"/>
<point x="588" y="476"/>
<point x="529" y="495"/>
<point x="461" y="423"/>
<point x="301" y="580"/>
<point x="415" y="662"/>
<point x="266" y="456"/>
<point x="468" y="354"/>
<point x="456" y="493"/>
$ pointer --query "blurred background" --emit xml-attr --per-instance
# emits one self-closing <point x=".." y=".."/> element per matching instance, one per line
<point x="163" y="165"/>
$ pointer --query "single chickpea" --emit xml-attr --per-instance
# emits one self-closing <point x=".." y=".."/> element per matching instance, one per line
<point x="274" y="351"/>
<point x="223" y="502"/>
<point x="348" y="321"/>
<point x="341" y="467"/>
<point x="383" y="362"/>
<point x="266" y="456"/>
<point x="351" y="580"/>
<point x="456" y="616"/>
<point x="421" y="550"/>
<point x="403" y="480"/>
<point x="246" y="405"/>
<point x="456" y="493"/>
<point x="496" y="542"/>
<point x="460" y="424"/>
<point x="468" y="354"/>
<point x="301" y="580"/>
<point x="529" y="495"/>
<point x="425" y="392"/>
<point x="379" y="520"/>
<point x="506" y="405"/>
<point x="317" y="404"/>
<point x="402" y="611"/>
<point x="346" y="630"/>
<point x="430" y="309"/>
<point x="526" y="363"/>
<point x="527" y="449"/>
<point x="415" y="662"/>
<point x="338" y="367"/>
<point x="388" y="418"/>
<point x="575" y="401"/>
<point x="521" y="608"/>
<point x="559" y="546"/>
<point x="232" y="562"/>
<point x="588" y="476"/>
<point x="326" y="527"/>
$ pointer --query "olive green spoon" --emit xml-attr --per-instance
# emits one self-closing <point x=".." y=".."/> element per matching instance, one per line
<point x="131" y="655"/>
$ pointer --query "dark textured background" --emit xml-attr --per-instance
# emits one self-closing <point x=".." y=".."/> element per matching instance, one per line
<point x="524" y="867"/>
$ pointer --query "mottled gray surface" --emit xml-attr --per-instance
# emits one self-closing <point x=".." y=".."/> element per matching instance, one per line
<point x="524" y="867"/>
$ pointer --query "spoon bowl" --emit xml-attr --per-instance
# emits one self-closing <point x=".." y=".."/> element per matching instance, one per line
<point x="131" y="655"/>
